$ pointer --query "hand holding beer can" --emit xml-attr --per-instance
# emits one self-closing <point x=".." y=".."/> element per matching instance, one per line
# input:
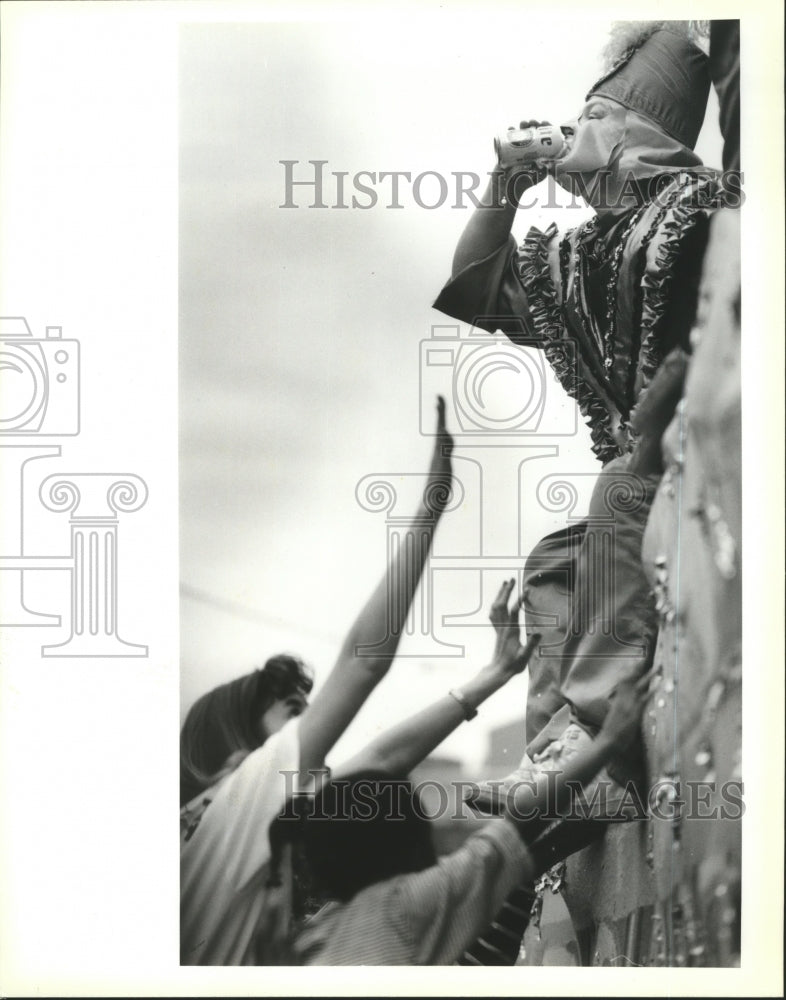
<point x="525" y="146"/>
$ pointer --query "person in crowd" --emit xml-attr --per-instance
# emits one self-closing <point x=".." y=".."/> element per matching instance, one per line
<point x="368" y="845"/>
<point x="606" y="302"/>
<point x="243" y="744"/>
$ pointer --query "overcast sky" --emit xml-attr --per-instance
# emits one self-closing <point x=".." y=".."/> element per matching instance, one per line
<point x="300" y="332"/>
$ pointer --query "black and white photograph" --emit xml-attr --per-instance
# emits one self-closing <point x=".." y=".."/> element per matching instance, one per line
<point x="392" y="430"/>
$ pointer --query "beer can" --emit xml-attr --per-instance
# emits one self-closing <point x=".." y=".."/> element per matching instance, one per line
<point x="517" y="146"/>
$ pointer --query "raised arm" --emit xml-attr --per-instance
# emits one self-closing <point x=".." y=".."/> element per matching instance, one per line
<point x="486" y="289"/>
<point x="489" y="225"/>
<point x="371" y="643"/>
<point x="405" y="745"/>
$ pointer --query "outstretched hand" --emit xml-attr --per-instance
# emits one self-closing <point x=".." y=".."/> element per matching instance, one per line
<point x="510" y="656"/>
<point x="440" y="475"/>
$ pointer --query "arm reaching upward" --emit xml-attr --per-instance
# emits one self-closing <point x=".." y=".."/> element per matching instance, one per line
<point x="405" y="745"/>
<point x="364" y="659"/>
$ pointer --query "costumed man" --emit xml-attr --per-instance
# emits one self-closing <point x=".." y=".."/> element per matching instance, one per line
<point x="606" y="302"/>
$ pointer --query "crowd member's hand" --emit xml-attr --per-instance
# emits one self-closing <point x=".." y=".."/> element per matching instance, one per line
<point x="621" y="724"/>
<point x="510" y="657"/>
<point x="440" y="476"/>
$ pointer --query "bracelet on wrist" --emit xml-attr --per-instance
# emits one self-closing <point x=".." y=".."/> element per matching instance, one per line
<point x="469" y="711"/>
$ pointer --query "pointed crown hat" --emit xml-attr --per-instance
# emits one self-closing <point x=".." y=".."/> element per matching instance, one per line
<point x="662" y="75"/>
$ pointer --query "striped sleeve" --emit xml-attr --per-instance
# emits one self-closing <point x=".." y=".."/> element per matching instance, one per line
<point x="440" y="911"/>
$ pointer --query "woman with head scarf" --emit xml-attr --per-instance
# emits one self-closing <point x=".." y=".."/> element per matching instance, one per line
<point x="606" y="302"/>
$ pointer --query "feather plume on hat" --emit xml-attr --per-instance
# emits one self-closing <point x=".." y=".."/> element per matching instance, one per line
<point x="627" y="36"/>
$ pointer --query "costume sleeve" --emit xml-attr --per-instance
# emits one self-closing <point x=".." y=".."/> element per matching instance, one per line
<point x="232" y="836"/>
<point x="489" y="294"/>
<point x="440" y="911"/>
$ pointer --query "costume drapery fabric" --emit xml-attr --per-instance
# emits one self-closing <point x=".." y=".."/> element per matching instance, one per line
<point x="605" y="303"/>
<point x="692" y="556"/>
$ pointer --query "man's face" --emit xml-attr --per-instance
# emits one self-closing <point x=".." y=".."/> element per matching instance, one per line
<point x="280" y="712"/>
<point x="597" y="135"/>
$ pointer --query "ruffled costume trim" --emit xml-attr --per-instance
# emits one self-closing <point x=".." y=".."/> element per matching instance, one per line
<point x="693" y="199"/>
<point x="547" y="317"/>
<point x="652" y="248"/>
